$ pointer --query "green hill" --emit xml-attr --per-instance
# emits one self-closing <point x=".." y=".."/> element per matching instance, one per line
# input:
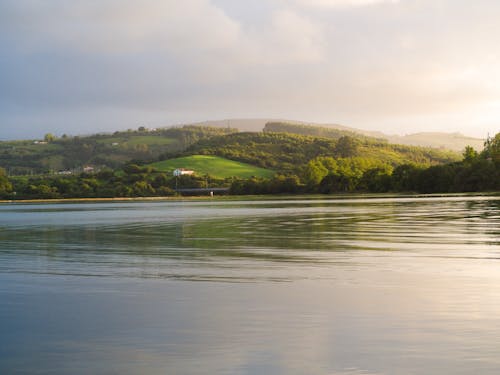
<point x="317" y="131"/>
<point x="444" y="141"/>
<point x="287" y="153"/>
<point x="212" y="165"/>
<point x="71" y="154"/>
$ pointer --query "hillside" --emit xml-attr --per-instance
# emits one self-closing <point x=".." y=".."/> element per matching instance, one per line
<point x="212" y="165"/>
<point x="245" y="125"/>
<point x="303" y="164"/>
<point x="317" y="131"/>
<point x="286" y="152"/>
<point x="72" y="154"/>
<point x="449" y="141"/>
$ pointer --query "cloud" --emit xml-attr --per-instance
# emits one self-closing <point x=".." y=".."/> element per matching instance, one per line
<point x="118" y="60"/>
<point x="343" y="3"/>
<point x="183" y="30"/>
<point x="289" y="38"/>
<point x="296" y="38"/>
<point x="114" y="26"/>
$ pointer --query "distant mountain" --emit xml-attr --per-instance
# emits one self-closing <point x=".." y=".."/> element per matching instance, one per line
<point x="257" y="125"/>
<point x="448" y="141"/>
<point x="247" y="125"/>
<point x="318" y="131"/>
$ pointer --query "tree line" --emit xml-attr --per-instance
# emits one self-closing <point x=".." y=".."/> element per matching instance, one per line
<point x="476" y="172"/>
<point x="334" y="166"/>
<point x="132" y="181"/>
<point x="72" y="153"/>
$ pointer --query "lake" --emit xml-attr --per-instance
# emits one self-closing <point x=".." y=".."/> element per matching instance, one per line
<point x="319" y="285"/>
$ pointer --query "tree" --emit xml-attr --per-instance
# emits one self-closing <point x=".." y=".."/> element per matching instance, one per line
<point x="478" y="176"/>
<point x="132" y="169"/>
<point x="346" y="147"/>
<point x="49" y="137"/>
<point x="376" y="180"/>
<point x="492" y="149"/>
<point x="5" y="185"/>
<point x="469" y="154"/>
<point x="143" y="189"/>
<point x="337" y="183"/>
<point x="405" y="177"/>
<point x="314" y="173"/>
<point x="161" y="180"/>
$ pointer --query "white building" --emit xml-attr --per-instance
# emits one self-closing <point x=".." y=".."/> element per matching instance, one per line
<point x="182" y="172"/>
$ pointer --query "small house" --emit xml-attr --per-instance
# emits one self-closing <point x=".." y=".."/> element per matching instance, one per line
<point x="182" y="172"/>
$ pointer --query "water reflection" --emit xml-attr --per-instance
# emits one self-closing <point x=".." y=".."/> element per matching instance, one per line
<point x="197" y="239"/>
<point x="322" y="286"/>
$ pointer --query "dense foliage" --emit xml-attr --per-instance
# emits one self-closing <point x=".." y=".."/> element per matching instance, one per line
<point x="450" y="141"/>
<point x="133" y="181"/>
<point x="475" y="173"/>
<point x="289" y="153"/>
<point x="316" y="131"/>
<point x="72" y="154"/>
<point x="303" y="164"/>
<point x="5" y="184"/>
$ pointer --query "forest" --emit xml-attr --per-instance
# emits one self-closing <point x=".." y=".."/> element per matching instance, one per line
<point x="476" y="172"/>
<point x="302" y="164"/>
<point x="71" y="154"/>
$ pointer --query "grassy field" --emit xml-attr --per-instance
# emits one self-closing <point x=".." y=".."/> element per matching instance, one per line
<point x="214" y="166"/>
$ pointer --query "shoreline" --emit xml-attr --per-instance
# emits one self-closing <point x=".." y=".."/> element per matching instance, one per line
<point x="117" y="199"/>
<point x="249" y="197"/>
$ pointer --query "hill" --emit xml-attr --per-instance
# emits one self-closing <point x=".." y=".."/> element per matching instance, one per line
<point x="304" y="164"/>
<point x="449" y="141"/>
<point x="245" y="125"/>
<point x="214" y="166"/>
<point x="317" y="131"/>
<point x="287" y="153"/>
<point x="71" y="154"/>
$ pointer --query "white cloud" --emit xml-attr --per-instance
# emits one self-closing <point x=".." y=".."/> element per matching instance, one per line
<point x="343" y="3"/>
<point x="195" y="34"/>
<point x="289" y="38"/>
<point x="114" y="26"/>
<point x="297" y="38"/>
<point x="287" y="58"/>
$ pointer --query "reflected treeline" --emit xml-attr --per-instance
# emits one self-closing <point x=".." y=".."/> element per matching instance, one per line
<point x="252" y="235"/>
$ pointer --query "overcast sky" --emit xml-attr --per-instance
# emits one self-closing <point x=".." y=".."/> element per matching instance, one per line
<point x="404" y="66"/>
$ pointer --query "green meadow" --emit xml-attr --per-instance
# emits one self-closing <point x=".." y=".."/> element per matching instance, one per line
<point x="212" y="165"/>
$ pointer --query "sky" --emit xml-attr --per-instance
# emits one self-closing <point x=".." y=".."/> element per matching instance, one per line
<point x="398" y="66"/>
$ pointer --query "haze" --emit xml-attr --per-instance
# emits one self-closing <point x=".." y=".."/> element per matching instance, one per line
<point x="405" y="66"/>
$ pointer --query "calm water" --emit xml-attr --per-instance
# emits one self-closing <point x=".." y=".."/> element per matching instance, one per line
<point x="305" y="286"/>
